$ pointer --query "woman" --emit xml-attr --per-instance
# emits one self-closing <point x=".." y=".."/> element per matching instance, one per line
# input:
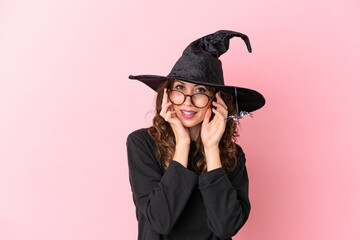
<point x="187" y="174"/>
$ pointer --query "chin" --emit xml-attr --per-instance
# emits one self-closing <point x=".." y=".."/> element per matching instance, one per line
<point x="190" y="123"/>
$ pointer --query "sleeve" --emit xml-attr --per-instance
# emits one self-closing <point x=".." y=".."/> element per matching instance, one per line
<point x="160" y="198"/>
<point x="226" y="198"/>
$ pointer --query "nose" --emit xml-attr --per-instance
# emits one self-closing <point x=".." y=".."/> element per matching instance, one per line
<point x="188" y="101"/>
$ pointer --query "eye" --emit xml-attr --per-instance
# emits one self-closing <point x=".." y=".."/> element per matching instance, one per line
<point x="179" y="87"/>
<point x="200" y="90"/>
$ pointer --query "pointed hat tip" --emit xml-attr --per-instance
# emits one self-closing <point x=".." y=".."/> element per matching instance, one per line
<point x="220" y="40"/>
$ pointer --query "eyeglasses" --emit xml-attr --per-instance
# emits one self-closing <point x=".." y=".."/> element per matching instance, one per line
<point x="199" y="100"/>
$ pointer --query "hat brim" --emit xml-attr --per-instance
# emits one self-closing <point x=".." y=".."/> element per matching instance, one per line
<point x="248" y="100"/>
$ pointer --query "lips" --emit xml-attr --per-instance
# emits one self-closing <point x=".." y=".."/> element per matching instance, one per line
<point x="188" y="113"/>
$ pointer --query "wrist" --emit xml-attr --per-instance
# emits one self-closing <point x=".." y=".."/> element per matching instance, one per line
<point x="181" y="154"/>
<point x="212" y="149"/>
<point x="182" y="142"/>
<point x="182" y="146"/>
<point x="212" y="156"/>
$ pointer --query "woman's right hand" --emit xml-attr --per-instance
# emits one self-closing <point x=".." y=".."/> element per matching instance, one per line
<point x="182" y="136"/>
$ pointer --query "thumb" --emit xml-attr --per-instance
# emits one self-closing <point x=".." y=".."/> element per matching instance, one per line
<point x="207" y="116"/>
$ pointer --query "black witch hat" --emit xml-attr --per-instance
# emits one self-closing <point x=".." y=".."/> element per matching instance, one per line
<point x="200" y="64"/>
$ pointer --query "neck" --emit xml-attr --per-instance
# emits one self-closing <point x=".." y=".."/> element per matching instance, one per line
<point x="194" y="132"/>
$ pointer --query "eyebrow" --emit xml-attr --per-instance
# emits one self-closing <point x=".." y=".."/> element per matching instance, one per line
<point x="184" y="83"/>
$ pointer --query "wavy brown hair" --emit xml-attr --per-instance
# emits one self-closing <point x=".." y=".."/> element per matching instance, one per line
<point x="164" y="137"/>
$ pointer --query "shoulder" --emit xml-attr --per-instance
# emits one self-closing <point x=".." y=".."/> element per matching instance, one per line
<point x="240" y="153"/>
<point x="142" y="154"/>
<point x="240" y="162"/>
<point x="139" y="135"/>
<point x="140" y="139"/>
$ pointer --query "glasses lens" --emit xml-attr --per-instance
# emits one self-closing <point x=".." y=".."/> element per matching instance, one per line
<point x="176" y="97"/>
<point x="200" y="100"/>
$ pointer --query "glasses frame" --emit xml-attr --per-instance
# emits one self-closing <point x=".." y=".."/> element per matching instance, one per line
<point x="186" y="95"/>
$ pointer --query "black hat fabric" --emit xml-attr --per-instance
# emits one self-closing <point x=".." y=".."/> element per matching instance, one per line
<point x="200" y="64"/>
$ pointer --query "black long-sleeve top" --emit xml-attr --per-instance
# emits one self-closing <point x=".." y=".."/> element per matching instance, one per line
<point x="179" y="204"/>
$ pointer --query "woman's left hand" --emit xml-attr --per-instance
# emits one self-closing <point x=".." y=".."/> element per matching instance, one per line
<point x="211" y="132"/>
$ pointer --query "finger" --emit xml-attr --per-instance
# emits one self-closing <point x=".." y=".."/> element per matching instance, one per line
<point x="218" y="114"/>
<point x="221" y="108"/>
<point x="207" y="116"/>
<point x="164" y="109"/>
<point x="217" y="120"/>
<point x="168" y="116"/>
<point x="173" y="114"/>
<point x="220" y="100"/>
<point x="173" y="120"/>
<point x="165" y="98"/>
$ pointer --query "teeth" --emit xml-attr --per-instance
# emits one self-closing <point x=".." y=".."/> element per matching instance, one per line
<point x="188" y="113"/>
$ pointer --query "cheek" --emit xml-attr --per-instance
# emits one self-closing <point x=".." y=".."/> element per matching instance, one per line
<point x="177" y="111"/>
<point x="202" y="113"/>
<point x="175" y="108"/>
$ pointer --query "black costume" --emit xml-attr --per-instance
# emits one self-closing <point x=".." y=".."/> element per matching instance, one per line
<point x="180" y="204"/>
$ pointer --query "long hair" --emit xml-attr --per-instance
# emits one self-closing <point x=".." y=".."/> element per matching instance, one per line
<point x="164" y="137"/>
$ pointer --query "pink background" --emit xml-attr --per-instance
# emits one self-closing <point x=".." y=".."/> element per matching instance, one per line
<point x="66" y="108"/>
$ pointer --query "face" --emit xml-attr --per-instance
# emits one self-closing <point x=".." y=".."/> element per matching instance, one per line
<point x="190" y="115"/>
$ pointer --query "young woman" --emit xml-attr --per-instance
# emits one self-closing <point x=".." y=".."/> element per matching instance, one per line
<point x="187" y="174"/>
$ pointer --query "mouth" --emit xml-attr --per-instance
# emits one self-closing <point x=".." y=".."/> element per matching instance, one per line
<point x="188" y="114"/>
